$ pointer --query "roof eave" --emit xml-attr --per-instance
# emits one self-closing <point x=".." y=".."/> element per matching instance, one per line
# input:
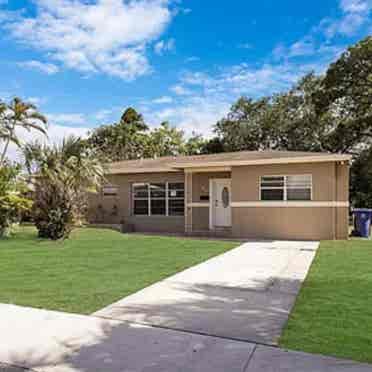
<point x="142" y="170"/>
<point x="290" y="160"/>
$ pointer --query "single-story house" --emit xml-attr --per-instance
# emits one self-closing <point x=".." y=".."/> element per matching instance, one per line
<point x="248" y="194"/>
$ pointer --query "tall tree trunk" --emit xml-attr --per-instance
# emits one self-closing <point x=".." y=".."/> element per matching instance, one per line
<point x="2" y="159"/>
<point x="6" y="146"/>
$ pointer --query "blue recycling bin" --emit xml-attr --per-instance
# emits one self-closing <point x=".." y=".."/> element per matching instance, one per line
<point x="362" y="222"/>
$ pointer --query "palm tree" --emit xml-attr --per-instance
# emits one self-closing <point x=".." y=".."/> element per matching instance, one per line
<point x="63" y="175"/>
<point x="18" y="114"/>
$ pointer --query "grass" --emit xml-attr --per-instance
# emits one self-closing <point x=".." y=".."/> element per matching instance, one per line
<point x="333" y="313"/>
<point x="93" y="268"/>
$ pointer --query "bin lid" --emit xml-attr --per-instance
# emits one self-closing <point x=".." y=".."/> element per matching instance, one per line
<point x="363" y="210"/>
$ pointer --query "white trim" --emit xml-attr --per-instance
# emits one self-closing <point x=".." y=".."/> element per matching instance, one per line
<point x="140" y="170"/>
<point x="208" y="169"/>
<point x="289" y="204"/>
<point x="191" y="196"/>
<point x="288" y="160"/>
<point x="186" y="200"/>
<point x="167" y="199"/>
<point x="198" y="205"/>
<point x="211" y="204"/>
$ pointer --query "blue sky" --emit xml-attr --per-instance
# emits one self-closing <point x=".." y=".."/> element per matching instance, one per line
<point x="83" y="61"/>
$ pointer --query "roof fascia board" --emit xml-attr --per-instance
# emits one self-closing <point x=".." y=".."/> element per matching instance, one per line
<point x="304" y="159"/>
<point x="208" y="169"/>
<point x="144" y="170"/>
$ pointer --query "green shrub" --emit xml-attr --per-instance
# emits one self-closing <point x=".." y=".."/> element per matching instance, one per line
<point x="12" y="201"/>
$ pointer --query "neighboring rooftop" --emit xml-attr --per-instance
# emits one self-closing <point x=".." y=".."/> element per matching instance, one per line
<point x="226" y="159"/>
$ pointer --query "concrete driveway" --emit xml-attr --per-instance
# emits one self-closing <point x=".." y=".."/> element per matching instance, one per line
<point x="245" y="294"/>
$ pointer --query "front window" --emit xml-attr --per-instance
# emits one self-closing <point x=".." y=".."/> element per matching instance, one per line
<point x="158" y="199"/>
<point x="292" y="188"/>
<point x="176" y="199"/>
<point x="141" y="199"/>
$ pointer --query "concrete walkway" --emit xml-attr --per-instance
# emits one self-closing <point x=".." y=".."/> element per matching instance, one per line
<point x="47" y="341"/>
<point x="245" y="294"/>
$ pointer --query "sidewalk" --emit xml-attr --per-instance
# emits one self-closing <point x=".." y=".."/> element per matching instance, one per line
<point x="47" y="341"/>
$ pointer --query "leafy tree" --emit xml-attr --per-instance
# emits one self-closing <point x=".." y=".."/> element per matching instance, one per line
<point x="131" y="138"/>
<point x="18" y="114"/>
<point x="63" y="176"/>
<point x="194" y="145"/>
<point x="246" y="126"/>
<point x="124" y="140"/>
<point x="345" y="97"/>
<point x="164" y="141"/>
<point x="286" y="121"/>
<point x="361" y="180"/>
<point x="12" y="201"/>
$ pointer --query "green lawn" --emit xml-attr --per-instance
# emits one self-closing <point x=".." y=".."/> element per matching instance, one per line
<point x="93" y="268"/>
<point x="333" y="313"/>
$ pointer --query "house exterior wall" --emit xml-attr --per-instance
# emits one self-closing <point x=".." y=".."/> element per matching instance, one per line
<point x="325" y="217"/>
<point x="123" y="203"/>
<point x="323" y="221"/>
<point x="197" y="212"/>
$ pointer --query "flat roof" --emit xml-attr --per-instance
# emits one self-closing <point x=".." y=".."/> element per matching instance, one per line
<point x="226" y="159"/>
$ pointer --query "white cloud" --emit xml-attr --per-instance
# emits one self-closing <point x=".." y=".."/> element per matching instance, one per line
<point x="197" y="114"/>
<point x="162" y="100"/>
<point x="243" y="79"/>
<point x="355" y="6"/>
<point x="319" y="44"/>
<point x="56" y="133"/>
<point x="356" y="13"/>
<point x="70" y="119"/>
<point x="302" y="48"/>
<point x="180" y="90"/>
<point x="103" y="114"/>
<point x="36" y="100"/>
<point x="106" y="36"/>
<point x="204" y="97"/>
<point x="46" y="68"/>
<point x="163" y="46"/>
<point x="209" y="96"/>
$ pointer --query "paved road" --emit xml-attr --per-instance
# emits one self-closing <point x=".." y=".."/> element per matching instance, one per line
<point x="245" y="294"/>
<point x="47" y="341"/>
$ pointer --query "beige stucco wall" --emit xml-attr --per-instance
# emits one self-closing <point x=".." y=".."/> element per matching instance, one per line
<point x="198" y="186"/>
<point x="330" y="184"/>
<point x="246" y="179"/>
<point x="171" y="224"/>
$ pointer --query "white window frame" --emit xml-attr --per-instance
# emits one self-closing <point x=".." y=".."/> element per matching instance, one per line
<point x="285" y="199"/>
<point x="149" y="199"/>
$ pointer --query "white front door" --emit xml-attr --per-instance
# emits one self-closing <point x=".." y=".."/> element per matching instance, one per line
<point x="221" y="199"/>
